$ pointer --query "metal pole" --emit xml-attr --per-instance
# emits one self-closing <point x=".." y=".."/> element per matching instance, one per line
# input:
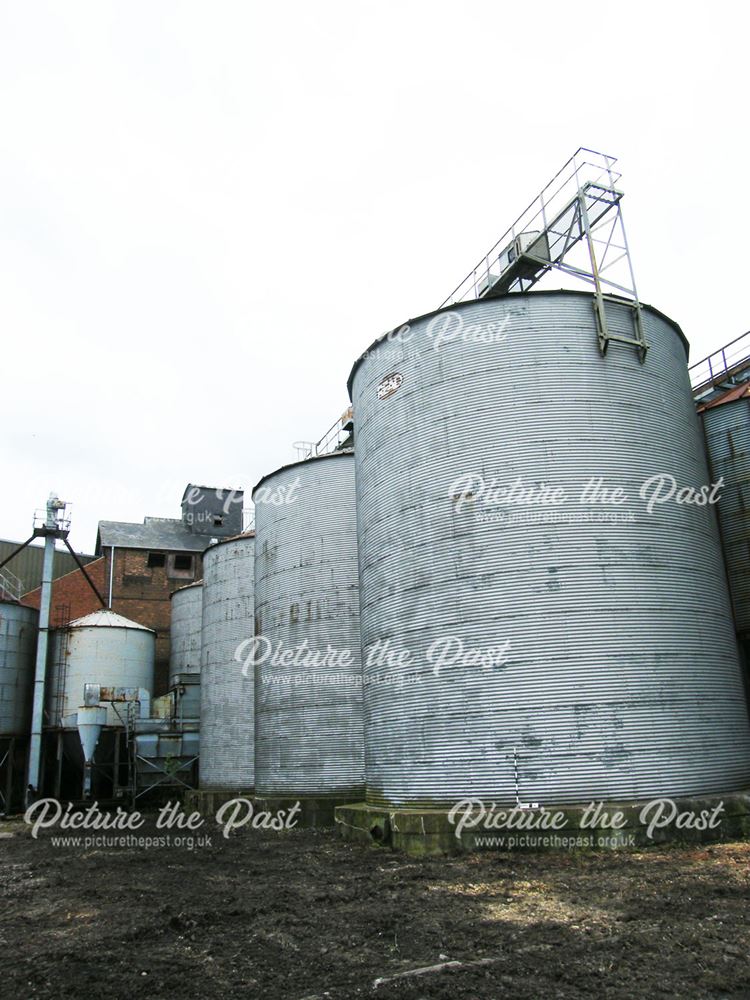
<point x="35" y="746"/>
<point x="116" y="769"/>
<point x="59" y="765"/>
<point x="9" y="776"/>
<point x="15" y="552"/>
<point x="82" y="568"/>
<point x="111" y="573"/>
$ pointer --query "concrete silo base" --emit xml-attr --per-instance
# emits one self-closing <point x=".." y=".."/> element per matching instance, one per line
<point x="207" y="801"/>
<point x="636" y="825"/>
<point x="314" y="811"/>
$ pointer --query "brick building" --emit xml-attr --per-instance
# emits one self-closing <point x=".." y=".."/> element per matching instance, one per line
<point x="138" y="566"/>
<point x="72" y="597"/>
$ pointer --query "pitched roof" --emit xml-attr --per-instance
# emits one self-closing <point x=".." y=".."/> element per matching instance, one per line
<point x="219" y="491"/>
<point x="106" y="619"/>
<point x="160" y="533"/>
<point x="737" y="392"/>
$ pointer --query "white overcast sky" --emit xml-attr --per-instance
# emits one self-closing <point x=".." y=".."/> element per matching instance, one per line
<point x="208" y="210"/>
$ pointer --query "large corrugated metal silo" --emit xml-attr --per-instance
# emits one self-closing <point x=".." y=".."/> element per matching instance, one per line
<point x="185" y="629"/>
<point x="309" y="728"/>
<point x="101" y="648"/>
<point x="18" y="637"/>
<point x="227" y="708"/>
<point x="727" y="427"/>
<point x="542" y="646"/>
<point x="18" y="633"/>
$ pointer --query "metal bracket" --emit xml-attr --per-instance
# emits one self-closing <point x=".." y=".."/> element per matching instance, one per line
<point x="605" y="337"/>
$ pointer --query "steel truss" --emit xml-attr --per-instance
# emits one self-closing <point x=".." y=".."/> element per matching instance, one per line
<point x="574" y="226"/>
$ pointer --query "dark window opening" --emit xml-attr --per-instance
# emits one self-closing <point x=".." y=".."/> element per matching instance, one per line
<point x="181" y="566"/>
<point x="156" y="559"/>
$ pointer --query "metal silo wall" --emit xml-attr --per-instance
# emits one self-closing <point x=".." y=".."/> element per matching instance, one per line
<point x="622" y="677"/>
<point x="185" y="630"/>
<point x="227" y="709"/>
<point x="309" y="728"/>
<point x="727" y="430"/>
<point x="18" y="634"/>
<point x="106" y="655"/>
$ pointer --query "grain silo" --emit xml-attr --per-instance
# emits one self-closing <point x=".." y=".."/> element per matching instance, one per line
<point x="227" y="709"/>
<point x="185" y="629"/>
<point x="309" y="742"/>
<point x="18" y="635"/>
<point x="110" y="651"/>
<point x="546" y="592"/>
<point x="101" y="648"/>
<point x="727" y="426"/>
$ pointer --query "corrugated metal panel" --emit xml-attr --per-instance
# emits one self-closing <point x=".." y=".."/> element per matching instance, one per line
<point x="308" y="728"/>
<point x="106" y="619"/>
<point x="185" y="630"/>
<point x="227" y="709"/>
<point x="91" y="652"/>
<point x="27" y="565"/>
<point x="728" y="438"/>
<point x="18" y="634"/>
<point x="622" y="678"/>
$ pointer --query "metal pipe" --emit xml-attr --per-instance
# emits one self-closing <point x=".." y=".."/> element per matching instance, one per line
<point x="35" y="746"/>
<point x="15" y="552"/>
<point x="111" y="573"/>
<point x="82" y="568"/>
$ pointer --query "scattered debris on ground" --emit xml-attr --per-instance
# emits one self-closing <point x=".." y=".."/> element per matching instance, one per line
<point x="301" y="914"/>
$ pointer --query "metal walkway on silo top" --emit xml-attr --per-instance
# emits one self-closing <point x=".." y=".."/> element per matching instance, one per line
<point x="722" y="370"/>
<point x="574" y="226"/>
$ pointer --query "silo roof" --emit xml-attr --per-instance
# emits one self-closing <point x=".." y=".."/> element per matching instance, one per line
<point x="106" y="619"/>
<point x="509" y="296"/>
<point x="186" y="586"/>
<point x="302" y="461"/>
<point x="216" y="542"/>
<point x="737" y="392"/>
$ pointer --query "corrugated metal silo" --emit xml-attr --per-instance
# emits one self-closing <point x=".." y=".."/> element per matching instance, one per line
<point x="101" y="648"/>
<point x="18" y="633"/>
<point x="185" y="629"/>
<point x="309" y="728"/>
<point x="227" y="708"/>
<point x="547" y="652"/>
<point x="727" y="428"/>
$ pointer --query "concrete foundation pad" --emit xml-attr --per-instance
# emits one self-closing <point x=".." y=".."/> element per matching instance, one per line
<point x="208" y="801"/>
<point x="589" y="826"/>
<point x="314" y="811"/>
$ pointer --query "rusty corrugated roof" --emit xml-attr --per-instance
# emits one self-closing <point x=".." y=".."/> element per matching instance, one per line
<point x="737" y="392"/>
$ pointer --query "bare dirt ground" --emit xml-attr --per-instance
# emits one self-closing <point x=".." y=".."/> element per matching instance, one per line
<point x="300" y="914"/>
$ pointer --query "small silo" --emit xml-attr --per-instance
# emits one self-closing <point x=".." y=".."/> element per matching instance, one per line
<point x="309" y="742"/>
<point x="227" y="709"/>
<point x="727" y="427"/>
<point x="554" y="628"/>
<point x="185" y="630"/>
<point x="18" y="635"/>
<point x="102" y="648"/>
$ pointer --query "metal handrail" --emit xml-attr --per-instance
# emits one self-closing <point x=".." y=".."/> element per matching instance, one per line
<point x="10" y="585"/>
<point x="574" y="174"/>
<point x="328" y="443"/>
<point x="718" y="365"/>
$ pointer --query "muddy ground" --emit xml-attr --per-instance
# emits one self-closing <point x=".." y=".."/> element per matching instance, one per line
<point x="300" y="914"/>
